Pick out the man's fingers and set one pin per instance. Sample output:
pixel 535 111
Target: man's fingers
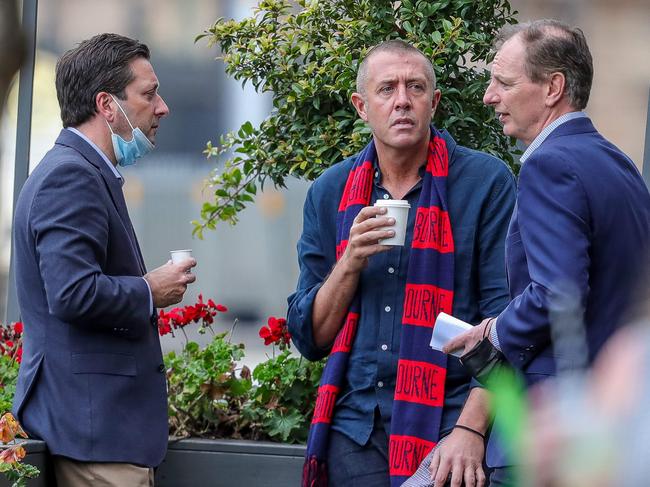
pixel 470 476
pixel 370 225
pixel 444 468
pixel 369 212
pixel 457 473
pixel 454 344
pixel 435 462
pixel 480 476
pixel 372 237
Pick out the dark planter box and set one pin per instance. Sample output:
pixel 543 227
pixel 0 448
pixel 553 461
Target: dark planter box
pixel 38 456
pixel 226 463
pixel 195 462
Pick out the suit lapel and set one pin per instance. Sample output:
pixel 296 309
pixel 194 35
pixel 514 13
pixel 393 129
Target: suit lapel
pixel 117 196
pixel 70 139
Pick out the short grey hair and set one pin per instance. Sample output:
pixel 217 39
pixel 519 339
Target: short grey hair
pixel 393 46
pixel 553 46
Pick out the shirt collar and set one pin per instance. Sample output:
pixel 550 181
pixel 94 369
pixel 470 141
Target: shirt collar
pixel 99 151
pixel 541 137
pixel 451 147
pixel 377 176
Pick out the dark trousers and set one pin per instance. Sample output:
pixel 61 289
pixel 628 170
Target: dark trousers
pixel 352 465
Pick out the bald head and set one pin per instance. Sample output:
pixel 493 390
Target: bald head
pixel 394 46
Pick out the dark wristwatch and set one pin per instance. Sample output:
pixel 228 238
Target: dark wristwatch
pixel 483 360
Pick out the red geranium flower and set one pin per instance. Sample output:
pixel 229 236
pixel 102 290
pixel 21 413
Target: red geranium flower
pixel 276 332
pixel 180 317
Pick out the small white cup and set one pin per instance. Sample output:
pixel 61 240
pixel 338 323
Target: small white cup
pixel 399 210
pixel 180 255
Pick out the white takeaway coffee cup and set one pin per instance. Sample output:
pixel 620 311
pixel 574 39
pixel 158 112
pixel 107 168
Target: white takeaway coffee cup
pixel 398 209
pixel 180 255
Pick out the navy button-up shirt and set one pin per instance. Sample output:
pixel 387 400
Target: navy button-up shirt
pixel 481 196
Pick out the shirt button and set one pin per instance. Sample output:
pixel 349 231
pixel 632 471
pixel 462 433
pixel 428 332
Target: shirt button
pixel 386 196
pixel 391 270
pixel 380 384
pixel 384 347
pixel 387 309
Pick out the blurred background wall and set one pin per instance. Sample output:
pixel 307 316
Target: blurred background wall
pixel 252 267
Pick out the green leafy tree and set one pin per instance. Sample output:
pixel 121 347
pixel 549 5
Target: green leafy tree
pixel 306 54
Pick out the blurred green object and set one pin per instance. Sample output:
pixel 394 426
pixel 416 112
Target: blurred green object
pixel 510 405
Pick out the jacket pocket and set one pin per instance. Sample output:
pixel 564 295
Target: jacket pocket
pixel 103 363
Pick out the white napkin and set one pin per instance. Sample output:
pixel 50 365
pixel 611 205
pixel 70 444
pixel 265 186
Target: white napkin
pixel 445 328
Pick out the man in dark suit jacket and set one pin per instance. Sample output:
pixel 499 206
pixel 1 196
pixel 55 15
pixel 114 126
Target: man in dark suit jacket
pixel 579 233
pixel 92 379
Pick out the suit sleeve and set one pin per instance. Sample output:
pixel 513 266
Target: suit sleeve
pixel 315 264
pixel 553 217
pixel 70 226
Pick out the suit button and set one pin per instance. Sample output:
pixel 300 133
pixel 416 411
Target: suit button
pixel 161 368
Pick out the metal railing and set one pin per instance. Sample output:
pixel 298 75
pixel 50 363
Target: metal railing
pixel 23 131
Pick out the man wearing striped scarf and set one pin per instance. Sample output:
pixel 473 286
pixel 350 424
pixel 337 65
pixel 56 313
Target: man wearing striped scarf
pixel 386 398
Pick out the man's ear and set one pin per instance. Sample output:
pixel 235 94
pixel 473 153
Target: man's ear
pixel 103 103
pixel 435 101
pixel 360 105
pixel 556 85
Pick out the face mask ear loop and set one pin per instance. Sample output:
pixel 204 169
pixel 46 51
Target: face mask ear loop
pixel 109 127
pixel 123 112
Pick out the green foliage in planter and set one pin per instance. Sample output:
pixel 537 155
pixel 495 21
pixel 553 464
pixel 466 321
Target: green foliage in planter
pixel 306 54
pixel 284 397
pixel 211 396
pixel 205 392
pixel 19 473
pixel 8 376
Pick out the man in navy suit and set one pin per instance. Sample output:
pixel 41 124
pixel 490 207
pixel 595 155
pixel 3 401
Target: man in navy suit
pixel 579 233
pixel 92 379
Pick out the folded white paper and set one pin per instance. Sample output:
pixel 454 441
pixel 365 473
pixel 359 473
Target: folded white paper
pixel 445 328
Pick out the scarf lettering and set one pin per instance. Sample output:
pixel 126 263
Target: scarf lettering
pixel 406 453
pixel 423 302
pixel 432 230
pixel 420 382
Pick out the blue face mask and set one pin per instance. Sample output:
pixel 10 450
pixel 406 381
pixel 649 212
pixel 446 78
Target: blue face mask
pixel 127 153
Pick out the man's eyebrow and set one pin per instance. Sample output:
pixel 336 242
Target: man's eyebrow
pixel 502 78
pixel 387 79
pixel 394 79
pixel 152 86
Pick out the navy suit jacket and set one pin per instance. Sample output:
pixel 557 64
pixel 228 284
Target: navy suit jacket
pixel 91 382
pixel 581 226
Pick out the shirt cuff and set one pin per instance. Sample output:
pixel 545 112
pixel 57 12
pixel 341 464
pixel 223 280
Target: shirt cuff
pixel 494 336
pixel 151 308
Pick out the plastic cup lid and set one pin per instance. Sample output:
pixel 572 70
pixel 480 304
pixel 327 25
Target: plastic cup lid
pixel 398 203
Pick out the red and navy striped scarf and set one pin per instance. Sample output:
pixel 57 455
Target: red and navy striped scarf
pixel 421 371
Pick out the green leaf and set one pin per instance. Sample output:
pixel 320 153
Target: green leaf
pixel 281 426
